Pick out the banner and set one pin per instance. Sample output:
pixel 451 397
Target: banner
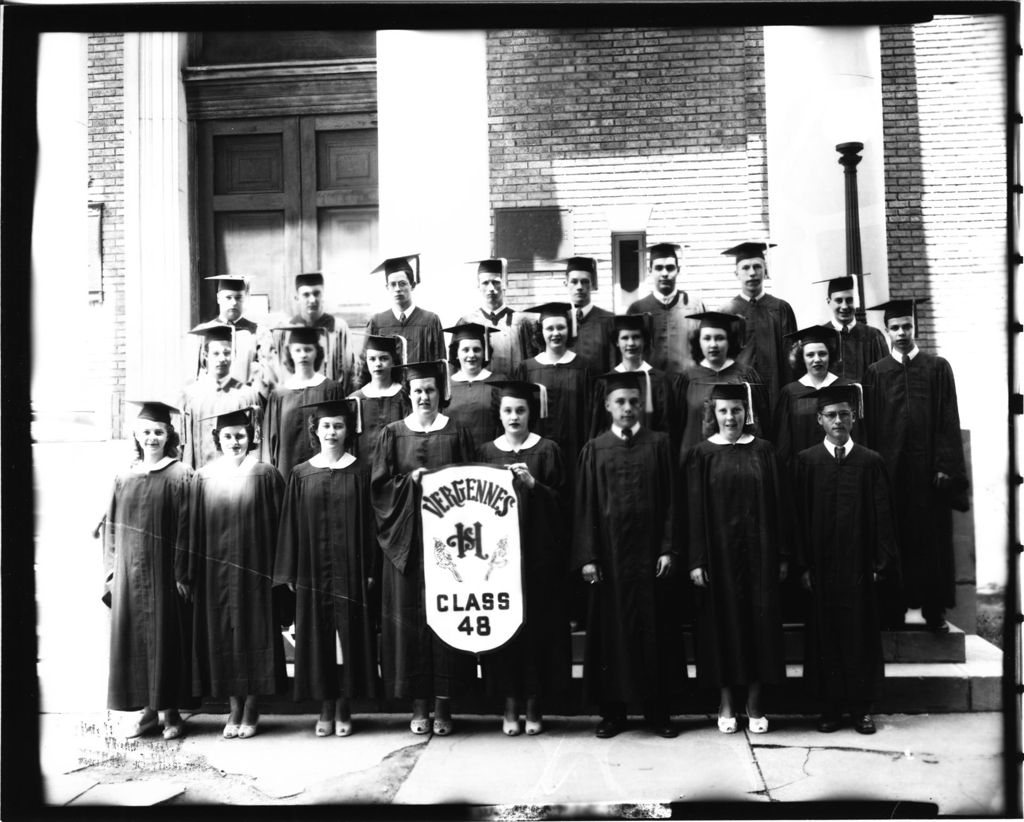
pixel 472 563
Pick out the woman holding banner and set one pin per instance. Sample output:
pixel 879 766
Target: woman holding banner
pixel 414 663
pixel 536 662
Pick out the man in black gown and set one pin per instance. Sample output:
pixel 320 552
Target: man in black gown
pixel 591 325
pixel 860 343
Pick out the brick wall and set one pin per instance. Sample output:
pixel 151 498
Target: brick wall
pixel 106 186
pixel 600 119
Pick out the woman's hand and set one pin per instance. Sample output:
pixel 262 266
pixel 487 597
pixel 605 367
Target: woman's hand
pixel 591 573
pixel 184 591
pixel 664 567
pixel 783 570
pixel 522 473
pixel 699 576
pixel 416 473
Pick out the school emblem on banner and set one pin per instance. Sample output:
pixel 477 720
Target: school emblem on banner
pixel 472 563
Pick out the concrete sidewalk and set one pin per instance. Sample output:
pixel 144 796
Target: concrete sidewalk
pixel 952 760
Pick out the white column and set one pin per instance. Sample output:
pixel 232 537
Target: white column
pixel 823 87
pixel 156 241
pixel 432 138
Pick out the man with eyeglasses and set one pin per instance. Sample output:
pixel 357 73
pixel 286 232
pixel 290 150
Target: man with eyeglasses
pixel 671 331
pixel 914 423
pixel 420 328
pixel 848 537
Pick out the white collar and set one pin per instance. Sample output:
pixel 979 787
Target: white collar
pixel 370 391
pixel 705 364
pixel 143 468
pixel 544 358
pixel 398 312
pixel 440 421
pixel 829 379
pixel 502 443
pixel 838 326
pixel 320 461
pixel 618 431
pixel 295 382
pixel 499 310
pixel 644 366
pixel 224 465
pixel 661 298
pixel 460 376
pixel 585 309
pixel 760 296
pixel 832 449
pixel 718 439
pixel 899 357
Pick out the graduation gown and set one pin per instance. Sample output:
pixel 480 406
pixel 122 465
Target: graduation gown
pixel 474 406
pixel 414 662
pixel 338 362
pixel 378 412
pixel 515 340
pixel 623 521
pixel 847 533
pixel 666 397
pixel 913 422
pixel 205 398
pixel 326 549
pixel 145 553
pixel 538 660
pixel 233 538
pixel 767 322
pixel 286 435
pixel 795 420
pixel 740 528
pixel 861 346
pixel 422 330
pixel 591 338
pixel 569 405
pixel 695 388
pixel 671 332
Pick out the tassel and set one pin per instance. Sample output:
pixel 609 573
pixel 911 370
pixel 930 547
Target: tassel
pixel 860 400
pixel 447 387
pixel 750 403
pixel 543 400
pixel 648 398
pixel 359 414
pixel 487 347
pixel 405 349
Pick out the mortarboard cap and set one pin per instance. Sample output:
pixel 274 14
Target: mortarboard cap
pixel 715 319
pixel 155 410
pixel 615 380
pixel 473 331
pixel 395 344
pixel 740 391
pixel 551 310
pixel 588 264
pixel 844 283
pixel 428 369
pixel 409 263
pixel 240 416
pixel 214 332
pixel 839 392
pixel 814 333
pixel 531 392
pixel 748 250
pixel 310 278
pixel 349 407
pixel 899 308
pixel 302 334
pixel 631 322
pixel 229 282
pixel 492 265
pixel 661 250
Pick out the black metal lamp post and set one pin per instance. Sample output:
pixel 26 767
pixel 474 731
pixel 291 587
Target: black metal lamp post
pixel 850 157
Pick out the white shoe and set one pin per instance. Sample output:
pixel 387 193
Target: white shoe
pixel 727 724
pixel 758 724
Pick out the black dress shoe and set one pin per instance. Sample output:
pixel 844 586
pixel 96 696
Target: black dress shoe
pixel 828 723
pixel 939 626
pixel 609 727
pixel 864 724
pixel 663 728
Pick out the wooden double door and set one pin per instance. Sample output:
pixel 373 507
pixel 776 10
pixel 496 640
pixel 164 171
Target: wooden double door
pixel 280 196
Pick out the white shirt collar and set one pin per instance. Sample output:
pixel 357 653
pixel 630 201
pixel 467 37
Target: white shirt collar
pixel 618 431
pixel 644 366
pixel 398 312
pixel 461 376
pixel 718 439
pixel 440 421
pixel 661 298
pixel 294 381
pixel 829 379
pixel 832 449
pixel 899 357
pixel 499 310
pixel 586 309
pixel 838 326
pixel 705 364
pixel 372 392
pixel 143 468
pixel 502 443
pixel 320 461
pixel 544 358
pixel 760 296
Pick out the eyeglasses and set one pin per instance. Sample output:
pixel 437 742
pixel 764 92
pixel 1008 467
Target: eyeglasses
pixel 845 416
pixel 671 269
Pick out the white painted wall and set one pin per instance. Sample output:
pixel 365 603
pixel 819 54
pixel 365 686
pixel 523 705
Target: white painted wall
pixel 432 138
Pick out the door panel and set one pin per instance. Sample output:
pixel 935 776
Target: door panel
pixel 248 164
pixel 252 244
pixel 348 242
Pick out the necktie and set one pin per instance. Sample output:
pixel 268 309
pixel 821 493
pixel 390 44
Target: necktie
pixel 753 301
pixel 840 452
pixel 845 331
pixel 627 435
pixel 579 316
pixel 401 318
pixel 493 317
